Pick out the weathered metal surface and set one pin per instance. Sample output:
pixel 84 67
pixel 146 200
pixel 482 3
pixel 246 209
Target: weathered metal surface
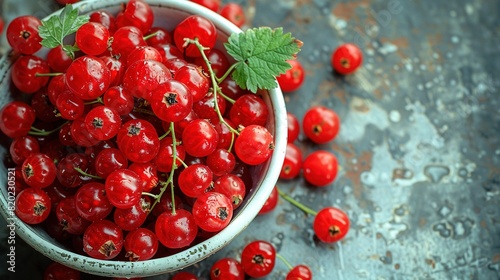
pixel 419 145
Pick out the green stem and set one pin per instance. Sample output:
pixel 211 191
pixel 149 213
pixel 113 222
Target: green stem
pixel 149 36
pixel 98 100
pixel 150 194
pixel 40 132
pixel 299 205
pixel 279 256
pixel 170 180
pixel 47 74
pixel 231 68
pixel 164 135
pixel 228 99
pixel 215 85
pixel 86 174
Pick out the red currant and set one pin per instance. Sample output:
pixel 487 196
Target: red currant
pixel 331 224
pixel 105 18
pixel 232 187
pixel 321 124
pixel 58 59
pixel 92 202
pixel 293 127
pixel 136 13
pixel 184 275
pixel 25 72
pixel 258 258
pixel 271 202
pixel 120 99
pixel 22 34
pixel 16 119
pixel 68 216
pixel 164 160
pixel 234 13
pixel 320 168
pixel 346 59
pixel 109 160
pixel 125 40
pixel 123 188
pixel 32 206
pixel 158 36
pixel 293 78
pixel 147 173
pixel 254 145
pixel 212 211
pixel 102 122
pixel 67 175
pixel 249 109
pixel 195 27
pixel 69 105
pixel 140 244
pixel 172 101
pixel 194 78
pixel 200 138
pixel 210 4
pixel 221 162
pixel 138 140
pixel 292 163
pixel 299 272
pixel 134 217
pixel 92 38
pixel 22 147
pixel 144 76
pixel 176 229
pixel 103 240
pixel 39 170
pixel 195 180
pixel 88 77
pixel 227 269
pixel 57 271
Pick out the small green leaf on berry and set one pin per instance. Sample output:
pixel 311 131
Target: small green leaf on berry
pixel 261 55
pixel 57 27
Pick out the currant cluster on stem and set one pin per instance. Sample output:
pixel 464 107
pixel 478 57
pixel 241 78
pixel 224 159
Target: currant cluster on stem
pixel 133 138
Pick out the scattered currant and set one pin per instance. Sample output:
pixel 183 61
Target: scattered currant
pixel 271 202
pixel 320 168
pixel 292 165
pixel 227 269
pixel 299 272
pixel 57 271
pixel 321 124
pixel 258 258
pixel 331 224
pixel 293 127
pixel 346 59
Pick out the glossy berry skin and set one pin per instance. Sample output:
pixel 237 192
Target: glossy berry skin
pixel 249 109
pixel 57 271
pixel 144 76
pixel 293 78
pixel 195 26
pixel 103 240
pixel 136 13
pixel 321 124
pixel 299 272
pixel 138 140
pixel 292 164
pixel 123 188
pixel 161 36
pixel 194 78
pixel 92 201
pixel 125 40
pixel 258 258
pixel 24 72
pixel 172 101
pixel 88 77
pixel 103 122
pixel 69 105
pixel 227 269
pixel 58 59
pixel 134 217
pixel 22 34
pixel 68 216
pixel 346 59
pixel 140 244
pixel 16 119
pixel 32 206
pixel 147 173
pixel 184 275
pixel 92 38
pixel 144 53
pixel 271 202
pixel 120 99
pixel 213 5
pixel 116 67
pixel 331 224
pixel 218 61
pixel 293 127
pixel 164 160
pixel 22 147
pixel 232 187
pixel 212 211
pixel 105 18
pixel 234 13
pixel 195 180
pixel 176 230
pixel 66 173
pixel 200 138
pixel 320 168
pixel 39 170
pixel 81 135
pixel 109 160
pixel 254 145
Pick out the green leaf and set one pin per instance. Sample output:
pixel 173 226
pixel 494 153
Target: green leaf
pixel 261 55
pixel 57 27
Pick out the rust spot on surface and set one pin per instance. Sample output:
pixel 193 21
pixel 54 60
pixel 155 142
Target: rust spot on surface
pixel 431 263
pixel 495 258
pixel 348 10
pixel 422 222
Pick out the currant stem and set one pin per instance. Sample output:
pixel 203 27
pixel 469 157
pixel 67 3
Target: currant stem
pixel 164 135
pixel 98 100
pixel 279 256
pixel 216 89
pixel 41 132
pixel 150 195
pixel 229 70
pixel 87 174
pixel 149 36
pixel 299 205
pixel 47 74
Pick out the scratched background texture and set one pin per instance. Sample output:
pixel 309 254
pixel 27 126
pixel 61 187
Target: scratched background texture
pixel 419 145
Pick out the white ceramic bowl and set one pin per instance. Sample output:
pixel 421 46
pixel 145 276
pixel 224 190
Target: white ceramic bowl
pixel 167 13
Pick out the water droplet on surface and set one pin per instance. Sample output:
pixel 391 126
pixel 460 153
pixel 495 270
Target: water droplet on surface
pixel 394 116
pixel 436 172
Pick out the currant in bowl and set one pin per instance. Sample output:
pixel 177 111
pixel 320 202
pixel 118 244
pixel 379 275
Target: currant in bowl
pixel 168 13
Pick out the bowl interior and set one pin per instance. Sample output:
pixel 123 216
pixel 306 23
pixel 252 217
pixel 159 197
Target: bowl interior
pixel 167 14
